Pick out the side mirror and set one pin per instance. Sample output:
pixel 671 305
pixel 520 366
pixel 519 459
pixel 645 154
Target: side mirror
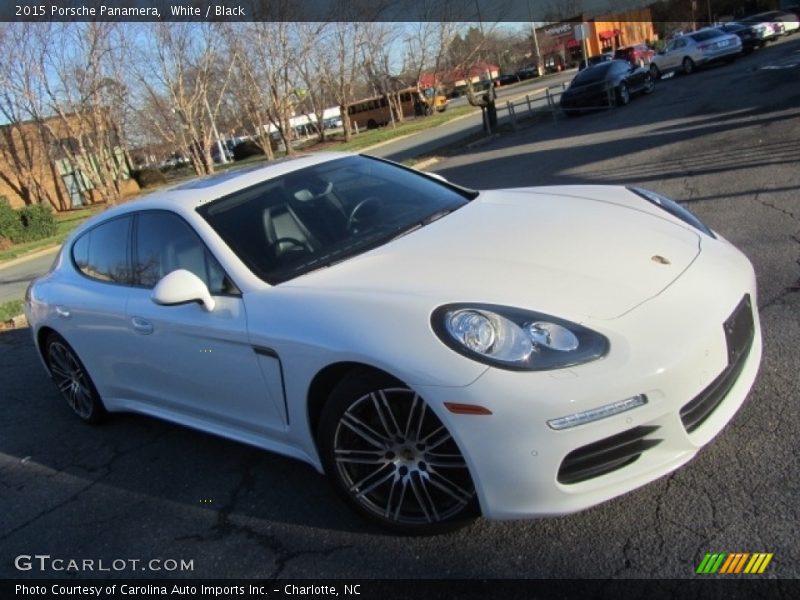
pixel 181 287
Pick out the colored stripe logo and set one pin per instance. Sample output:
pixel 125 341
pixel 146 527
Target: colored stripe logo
pixel 734 563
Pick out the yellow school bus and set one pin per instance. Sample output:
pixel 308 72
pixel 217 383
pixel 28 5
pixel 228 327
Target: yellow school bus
pixel 374 112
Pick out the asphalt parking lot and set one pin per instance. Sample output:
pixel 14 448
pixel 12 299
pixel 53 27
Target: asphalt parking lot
pixel 723 140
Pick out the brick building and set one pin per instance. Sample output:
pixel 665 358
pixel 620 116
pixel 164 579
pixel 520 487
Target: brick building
pixel 42 161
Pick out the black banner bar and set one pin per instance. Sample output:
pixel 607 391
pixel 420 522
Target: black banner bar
pixel 703 587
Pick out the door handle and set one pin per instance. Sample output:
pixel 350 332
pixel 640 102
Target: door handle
pixel 141 325
pixel 62 311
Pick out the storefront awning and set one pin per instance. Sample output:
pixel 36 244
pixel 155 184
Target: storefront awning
pixel 607 35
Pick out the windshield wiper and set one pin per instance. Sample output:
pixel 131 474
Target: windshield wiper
pixel 421 223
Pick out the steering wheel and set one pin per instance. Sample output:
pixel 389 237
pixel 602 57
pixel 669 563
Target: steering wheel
pixel 294 242
pixel 352 220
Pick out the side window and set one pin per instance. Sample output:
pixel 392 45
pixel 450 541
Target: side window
pixel 164 243
pixel 102 252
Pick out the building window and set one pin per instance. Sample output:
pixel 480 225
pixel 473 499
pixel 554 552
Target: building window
pixel 75 182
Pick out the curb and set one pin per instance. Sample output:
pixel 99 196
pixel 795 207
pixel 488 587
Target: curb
pixel 409 135
pixel 482 141
pixel 21 259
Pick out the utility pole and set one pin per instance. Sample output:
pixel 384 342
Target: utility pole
pixel 535 41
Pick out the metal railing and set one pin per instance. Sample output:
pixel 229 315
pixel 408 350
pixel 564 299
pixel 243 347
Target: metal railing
pixel 546 100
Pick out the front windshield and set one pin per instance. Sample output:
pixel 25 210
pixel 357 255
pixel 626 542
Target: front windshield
pixel 596 73
pixel 327 213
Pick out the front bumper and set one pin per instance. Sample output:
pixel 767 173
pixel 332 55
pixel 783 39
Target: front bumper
pixel 661 349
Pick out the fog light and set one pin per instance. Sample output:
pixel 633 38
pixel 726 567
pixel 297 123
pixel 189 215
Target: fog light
pixel 596 414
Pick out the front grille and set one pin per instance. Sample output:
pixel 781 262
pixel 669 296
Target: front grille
pixel 606 455
pixel 739 332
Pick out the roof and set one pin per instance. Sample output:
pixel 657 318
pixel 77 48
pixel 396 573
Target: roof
pixel 189 195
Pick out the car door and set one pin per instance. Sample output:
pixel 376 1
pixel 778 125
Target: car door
pixel 674 54
pixel 91 311
pixel 189 361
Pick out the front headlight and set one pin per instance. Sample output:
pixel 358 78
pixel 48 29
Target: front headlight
pixel 673 208
pixel 516 339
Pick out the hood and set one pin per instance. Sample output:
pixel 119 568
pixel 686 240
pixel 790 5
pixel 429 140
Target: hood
pixel 571 252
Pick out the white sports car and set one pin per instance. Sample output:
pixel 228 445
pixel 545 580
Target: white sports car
pixel 438 352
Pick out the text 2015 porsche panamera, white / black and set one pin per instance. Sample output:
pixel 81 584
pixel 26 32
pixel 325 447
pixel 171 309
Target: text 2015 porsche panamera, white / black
pixel 438 352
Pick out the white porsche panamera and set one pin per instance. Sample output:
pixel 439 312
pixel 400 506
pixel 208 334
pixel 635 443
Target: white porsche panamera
pixel 438 352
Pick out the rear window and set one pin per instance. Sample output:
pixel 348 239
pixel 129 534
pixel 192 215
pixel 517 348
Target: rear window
pixel 708 34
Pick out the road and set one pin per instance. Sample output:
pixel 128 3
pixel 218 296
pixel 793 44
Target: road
pixel 723 140
pixel 15 276
pixel 447 134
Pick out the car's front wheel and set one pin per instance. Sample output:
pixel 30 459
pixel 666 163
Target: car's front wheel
pixel 623 94
pixel 655 71
pixel 392 459
pixel 688 65
pixel 649 84
pixel 73 380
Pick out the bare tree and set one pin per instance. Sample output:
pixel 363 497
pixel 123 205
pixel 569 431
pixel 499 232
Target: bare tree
pixel 340 64
pixel 426 46
pixel 383 75
pixel 22 140
pixel 61 95
pixel 184 75
pixel 311 68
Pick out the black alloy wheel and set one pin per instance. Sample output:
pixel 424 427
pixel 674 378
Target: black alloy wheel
pixel 73 380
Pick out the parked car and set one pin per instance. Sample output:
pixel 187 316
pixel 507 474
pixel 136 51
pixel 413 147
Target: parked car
pixel 787 20
pixel 638 54
pixel 767 30
pixel 409 337
pixel 748 35
pixel 528 72
pixel 506 79
pixel 594 60
pixel 687 52
pixel 601 86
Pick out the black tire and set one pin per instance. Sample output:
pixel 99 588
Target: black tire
pixel 688 65
pixel 649 84
pixel 73 380
pixel 391 459
pixel 655 71
pixel 372 124
pixel 623 94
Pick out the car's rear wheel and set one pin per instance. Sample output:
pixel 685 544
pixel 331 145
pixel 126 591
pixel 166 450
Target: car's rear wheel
pixel 392 459
pixel 623 94
pixel 688 65
pixel 73 380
